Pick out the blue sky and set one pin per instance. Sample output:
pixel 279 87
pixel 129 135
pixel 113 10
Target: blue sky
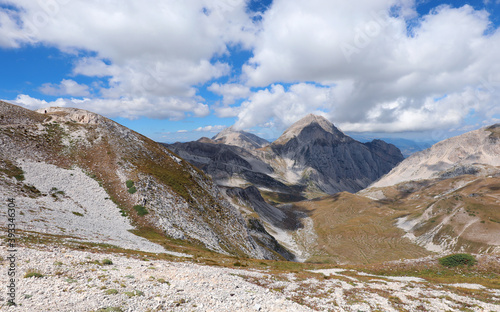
pixel 179 70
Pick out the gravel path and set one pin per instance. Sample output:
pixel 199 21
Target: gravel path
pixel 73 281
pixel 79 281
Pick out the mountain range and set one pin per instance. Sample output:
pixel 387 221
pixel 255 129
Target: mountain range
pixel 314 194
pixel 312 155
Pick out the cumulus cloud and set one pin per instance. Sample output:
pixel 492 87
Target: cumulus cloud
pixel 159 51
pixel 395 69
pixel 230 92
pixel 66 87
pixel 216 128
pixel 368 65
pixel 33 103
pixel 162 108
pixel 282 106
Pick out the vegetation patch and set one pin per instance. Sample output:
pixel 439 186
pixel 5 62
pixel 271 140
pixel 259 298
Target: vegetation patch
pixel 77 213
pixel 130 186
pixel 455 260
pixel 11 170
pixel 134 293
pixel 141 210
pixel 32 273
pixel 110 309
pixel 107 262
pixel 111 292
pixel 132 190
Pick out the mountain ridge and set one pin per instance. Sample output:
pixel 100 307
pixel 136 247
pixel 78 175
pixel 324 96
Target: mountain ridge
pixel 239 138
pixel 167 194
pixel 478 146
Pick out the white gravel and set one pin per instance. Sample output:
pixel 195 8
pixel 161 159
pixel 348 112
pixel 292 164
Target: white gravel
pixel 74 205
pixel 74 282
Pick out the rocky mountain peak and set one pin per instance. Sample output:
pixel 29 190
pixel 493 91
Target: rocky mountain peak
pixel 309 128
pixel 243 139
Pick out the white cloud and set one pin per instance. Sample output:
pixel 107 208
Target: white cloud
pixel 154 52
pixel 66 87
pixel 447 53
pixel 283 106
pixel 32 103
pixel 230 92
pixel 366 64
pixel 216 128
pixel 162 108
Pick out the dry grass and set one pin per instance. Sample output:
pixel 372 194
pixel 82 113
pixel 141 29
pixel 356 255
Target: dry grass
pixel 354 229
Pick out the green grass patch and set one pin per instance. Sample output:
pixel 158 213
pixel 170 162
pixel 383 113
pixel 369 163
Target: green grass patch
pixel 132 190
pixel 455 260
pixel 134 293
pixel 111 292
pixel 141 210
pixel 129 183
pixel 107 262
pixel 110 309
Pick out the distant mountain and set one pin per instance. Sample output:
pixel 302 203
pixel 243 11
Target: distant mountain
pixel 311 155
pixel 407 147
pixel 460 153
pixel 242 139
pixel 46 155
pixel 229 165
pixel 313 152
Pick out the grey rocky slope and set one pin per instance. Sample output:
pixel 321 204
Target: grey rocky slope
pixel 168 195
pixel 458 154
pixel 229 165
pixel 313 152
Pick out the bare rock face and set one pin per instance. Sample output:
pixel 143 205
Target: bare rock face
pixel 476 147
pixel 325 158
pixel 228 165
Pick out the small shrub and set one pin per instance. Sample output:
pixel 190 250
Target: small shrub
pixel 77 213
pixel 33 273
pixel 141 210
pixel 132 190
pixel 129 183
pixel 457 260
pixel 134 293
pixel 111 292
pixel 162 281
pixel 107 262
